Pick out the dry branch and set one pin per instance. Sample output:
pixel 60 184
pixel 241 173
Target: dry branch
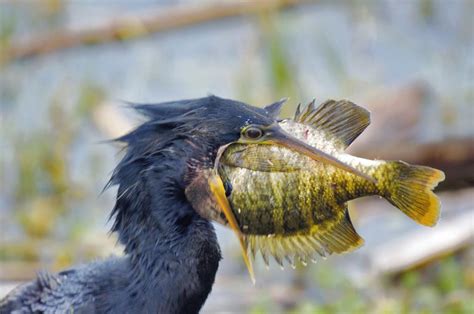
pixel 138 26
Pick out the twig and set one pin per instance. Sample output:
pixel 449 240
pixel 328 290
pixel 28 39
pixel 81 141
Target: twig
pixel 132 27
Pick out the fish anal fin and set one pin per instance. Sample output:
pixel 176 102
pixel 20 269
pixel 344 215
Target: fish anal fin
pixel 342 119
pixel 339 237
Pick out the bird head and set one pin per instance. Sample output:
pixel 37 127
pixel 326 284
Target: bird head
pixel 204 126
pixel 176 150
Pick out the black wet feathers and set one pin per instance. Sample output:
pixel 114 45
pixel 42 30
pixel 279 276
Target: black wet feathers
pixel 172 254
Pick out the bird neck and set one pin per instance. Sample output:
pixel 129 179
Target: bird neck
pixel 173 252
pixel 173 272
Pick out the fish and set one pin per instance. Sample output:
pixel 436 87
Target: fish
pixel 291 207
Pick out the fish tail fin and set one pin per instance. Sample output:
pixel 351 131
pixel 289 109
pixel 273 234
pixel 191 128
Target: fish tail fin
pixel 411 191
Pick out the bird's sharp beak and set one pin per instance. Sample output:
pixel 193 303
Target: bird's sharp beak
pixel 276 135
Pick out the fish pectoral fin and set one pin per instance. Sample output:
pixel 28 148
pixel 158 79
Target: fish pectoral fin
pixel 344 120
pixel 217 189
pixel 338 237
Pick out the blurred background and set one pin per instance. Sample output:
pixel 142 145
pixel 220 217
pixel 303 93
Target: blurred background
pixel 67 66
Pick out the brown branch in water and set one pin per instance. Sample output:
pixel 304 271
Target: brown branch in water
pixel 132 27
pixel 417 247
pixel 454 156
pixel 396 121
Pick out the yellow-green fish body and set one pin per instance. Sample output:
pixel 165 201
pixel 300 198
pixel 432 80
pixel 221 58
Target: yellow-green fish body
pixel 288 205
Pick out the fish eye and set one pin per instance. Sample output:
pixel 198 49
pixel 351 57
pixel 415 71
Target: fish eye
pixel 253 133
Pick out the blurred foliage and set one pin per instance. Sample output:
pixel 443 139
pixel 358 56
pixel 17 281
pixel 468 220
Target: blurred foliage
pixel 40 15
pixel 7 29
pixel 443 286
pixel 280 71
pixel 427 9
pixel 25 251
pixel 44 189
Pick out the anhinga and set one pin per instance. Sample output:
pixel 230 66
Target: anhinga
pixel 171 252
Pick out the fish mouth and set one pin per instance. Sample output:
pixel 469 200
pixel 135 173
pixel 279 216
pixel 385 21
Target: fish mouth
pixel 275 135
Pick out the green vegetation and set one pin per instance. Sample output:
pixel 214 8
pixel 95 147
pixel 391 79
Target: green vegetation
pixel 44 190
pixel 442 286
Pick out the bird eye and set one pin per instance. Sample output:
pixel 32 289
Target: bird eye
pixel 253 133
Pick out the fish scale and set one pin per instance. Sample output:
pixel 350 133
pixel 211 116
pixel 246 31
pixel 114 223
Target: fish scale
pixel 291 207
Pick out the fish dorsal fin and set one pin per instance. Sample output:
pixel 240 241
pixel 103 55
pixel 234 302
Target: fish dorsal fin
pixel 342 119
pixel 338 236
